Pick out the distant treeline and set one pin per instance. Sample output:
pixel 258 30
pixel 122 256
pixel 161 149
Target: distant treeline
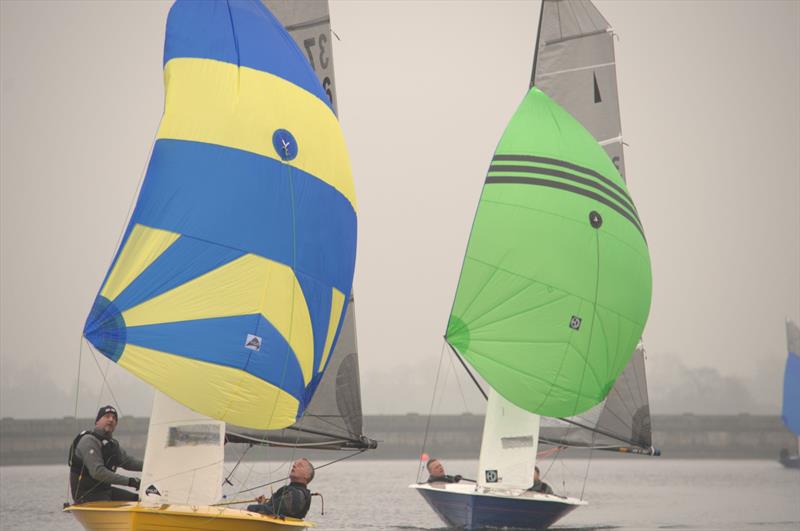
pixel 45 441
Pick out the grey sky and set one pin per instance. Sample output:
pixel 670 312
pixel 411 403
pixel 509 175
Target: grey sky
pixel 710 102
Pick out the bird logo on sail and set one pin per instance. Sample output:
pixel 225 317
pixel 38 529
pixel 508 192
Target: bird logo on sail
pixel 253 342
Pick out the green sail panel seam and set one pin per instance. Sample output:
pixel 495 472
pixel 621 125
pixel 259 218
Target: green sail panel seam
pixel 579 393
pixel 563 164
pixel 568 188
pixel 560 216
pixel 537 170
pixel 561 290
pixel 477 325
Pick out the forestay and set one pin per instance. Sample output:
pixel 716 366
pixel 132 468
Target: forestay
pixel 232 278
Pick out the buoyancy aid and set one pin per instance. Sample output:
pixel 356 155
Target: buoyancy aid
pixel 81 482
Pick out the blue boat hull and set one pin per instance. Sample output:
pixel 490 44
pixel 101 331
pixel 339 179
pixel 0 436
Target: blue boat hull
pixel 472 511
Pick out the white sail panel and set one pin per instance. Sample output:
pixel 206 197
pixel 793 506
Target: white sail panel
pixel 575 66
pixel 184 458
pixel 508 447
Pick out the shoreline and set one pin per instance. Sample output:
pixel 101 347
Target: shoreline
pixel 25 442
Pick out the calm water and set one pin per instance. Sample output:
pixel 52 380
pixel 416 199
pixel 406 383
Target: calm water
pixel 635 493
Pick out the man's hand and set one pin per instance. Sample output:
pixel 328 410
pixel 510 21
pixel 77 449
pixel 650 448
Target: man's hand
pixel 261 499
pixel 458 478
pixel 134 482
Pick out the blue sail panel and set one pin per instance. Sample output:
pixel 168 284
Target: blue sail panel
pixel 791 380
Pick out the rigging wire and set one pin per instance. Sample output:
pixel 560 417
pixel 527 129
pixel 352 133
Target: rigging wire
pixel 588 465
pixel 430 412
pixel 458 383
pixel 78 382
pixel 315 468
pixel 105 379
pixel 228 477
pixel 463 364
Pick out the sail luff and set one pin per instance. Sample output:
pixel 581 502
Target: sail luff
pixel 536 46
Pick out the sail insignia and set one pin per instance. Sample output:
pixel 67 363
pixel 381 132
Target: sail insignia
pixel 597 98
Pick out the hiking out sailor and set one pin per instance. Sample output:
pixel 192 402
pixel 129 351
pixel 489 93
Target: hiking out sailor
pixel 293 499
pixel 94 457
pixel 436 473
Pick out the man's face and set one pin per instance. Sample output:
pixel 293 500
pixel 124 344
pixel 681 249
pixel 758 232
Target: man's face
pixel 300 472
pixel 435 468
pixel 536 475
pixel 107 423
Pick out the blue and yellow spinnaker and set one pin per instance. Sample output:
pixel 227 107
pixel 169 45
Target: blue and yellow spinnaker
pixel 230 285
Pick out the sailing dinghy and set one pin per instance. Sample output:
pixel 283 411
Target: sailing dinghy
pixel 230 293
pixel 791 393
pixel 555 286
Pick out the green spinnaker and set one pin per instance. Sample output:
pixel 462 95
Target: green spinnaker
pixel 555 287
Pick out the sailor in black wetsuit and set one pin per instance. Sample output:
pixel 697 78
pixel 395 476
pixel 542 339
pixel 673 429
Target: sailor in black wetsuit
pixel 293 499
pixel 93 460
pixel 437 475
pixel 538 484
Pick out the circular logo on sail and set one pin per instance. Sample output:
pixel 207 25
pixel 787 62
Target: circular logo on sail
pixel 285 144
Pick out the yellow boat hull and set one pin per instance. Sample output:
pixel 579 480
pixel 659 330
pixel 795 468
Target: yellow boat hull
pixel 133 516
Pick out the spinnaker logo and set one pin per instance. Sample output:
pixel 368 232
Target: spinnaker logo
pixel 575 322
pixel 152 490
pixel 253 342
pixel 491 476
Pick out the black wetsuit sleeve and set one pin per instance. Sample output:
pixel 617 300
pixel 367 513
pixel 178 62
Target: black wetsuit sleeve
pixel 91 452
pixel 128 462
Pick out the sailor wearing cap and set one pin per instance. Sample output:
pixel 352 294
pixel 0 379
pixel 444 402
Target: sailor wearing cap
pixel 94 457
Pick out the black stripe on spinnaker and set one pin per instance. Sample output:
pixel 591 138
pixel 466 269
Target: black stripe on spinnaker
pixel 568 188
pixel 563 164
pixel 570 177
